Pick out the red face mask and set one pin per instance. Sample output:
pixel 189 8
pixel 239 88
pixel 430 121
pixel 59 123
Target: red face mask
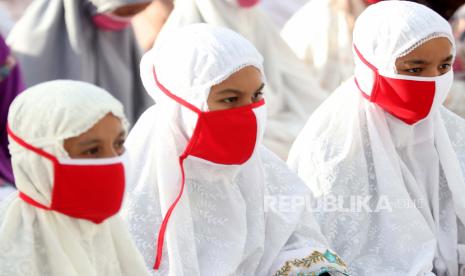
pixel 90 189
pixel 226 137
pixel 108 22
pixel 408 98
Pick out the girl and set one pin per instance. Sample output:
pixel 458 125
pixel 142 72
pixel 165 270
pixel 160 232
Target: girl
pixel 384 147
pixel 207 196
pixel 66 142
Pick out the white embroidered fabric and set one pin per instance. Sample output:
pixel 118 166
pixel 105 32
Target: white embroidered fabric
pixel 411 176
pixel 34 241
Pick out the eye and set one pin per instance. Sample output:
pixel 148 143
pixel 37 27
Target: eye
pixel 445 66
pixel 414 70
pixel 92 151
pixel 230 100
pixel 258 96
pixel 119 144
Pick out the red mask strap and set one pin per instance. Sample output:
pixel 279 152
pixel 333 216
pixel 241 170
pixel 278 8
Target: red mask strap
pixel 31 201
pixel 161 233
pixel 364 60
pixel 30 147
pixel 375 70
pixel 40 152
pixel 174 97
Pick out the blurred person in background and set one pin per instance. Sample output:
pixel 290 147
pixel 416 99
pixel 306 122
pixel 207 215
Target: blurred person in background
pixel 11 85
pixel 456 98
pixel 280 11
pixel 446 8
pixel 88 40
pixel 320 34
pixel 148 23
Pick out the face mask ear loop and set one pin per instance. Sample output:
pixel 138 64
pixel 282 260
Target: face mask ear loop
pixel 372 96
pixel 37 151
pixel 161 233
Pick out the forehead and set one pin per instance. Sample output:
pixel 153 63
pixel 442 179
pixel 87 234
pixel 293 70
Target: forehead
pixel 434 49
pixel 247 78
pixel 109 125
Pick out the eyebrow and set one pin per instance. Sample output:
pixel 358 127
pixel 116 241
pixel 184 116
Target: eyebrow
pixel 415 62
pixel 449 58
pixel 236 91
pixel 96 141
pixel 422 62
pixel 89 142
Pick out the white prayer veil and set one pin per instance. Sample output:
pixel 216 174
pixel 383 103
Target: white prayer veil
pixel 409 177
pixel 220 225
pixel 35 241
pixel 294 93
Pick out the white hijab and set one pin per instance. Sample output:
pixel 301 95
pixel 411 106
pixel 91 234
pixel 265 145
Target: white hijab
pixel 413 175
pixel 293 91
pixel 34 241
pixel 220 226
pixel 56 39
pixel 320 34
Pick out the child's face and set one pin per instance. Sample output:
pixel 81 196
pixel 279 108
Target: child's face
pixel 241 88
pixel 431 59
pixel 104 140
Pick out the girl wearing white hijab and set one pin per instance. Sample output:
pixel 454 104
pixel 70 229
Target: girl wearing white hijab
pixel 205 195
pixel 384 144
pixel 87 40
pixel 294 93
pixel 65 138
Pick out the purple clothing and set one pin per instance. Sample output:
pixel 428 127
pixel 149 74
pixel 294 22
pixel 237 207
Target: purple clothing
pixel 10 87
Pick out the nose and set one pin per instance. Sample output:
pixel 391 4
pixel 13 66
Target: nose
pixel 433 72
pixel 245 101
